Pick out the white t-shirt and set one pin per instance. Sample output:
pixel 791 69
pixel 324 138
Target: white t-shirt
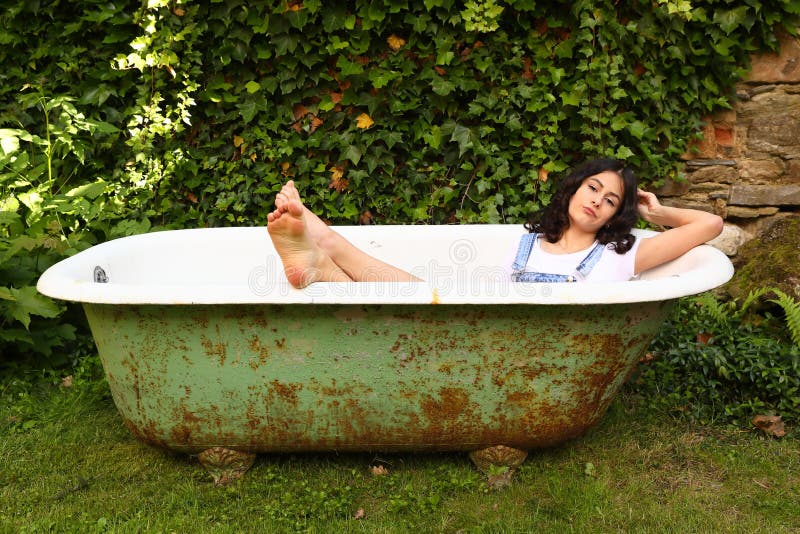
pixel 611 267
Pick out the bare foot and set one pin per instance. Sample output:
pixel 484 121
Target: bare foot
pixel 317 229
pixel 312 252
pixel 303 261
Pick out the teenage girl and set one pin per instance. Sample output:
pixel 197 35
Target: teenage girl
pixel 582 235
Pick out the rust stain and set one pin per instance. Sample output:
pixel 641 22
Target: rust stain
pixel 399 342
pixel 263 352
pixel 146 432
pixel 444 415
pixel 287 392
pixel 254 343
pixel 218 350
pixel 592 385
pixel 259 319
pixel 202 321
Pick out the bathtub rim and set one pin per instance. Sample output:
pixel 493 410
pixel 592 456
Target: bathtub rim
pixel 707 268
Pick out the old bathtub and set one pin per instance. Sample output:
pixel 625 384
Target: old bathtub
pixel 208 350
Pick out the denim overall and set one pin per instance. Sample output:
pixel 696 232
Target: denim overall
pixel 526 243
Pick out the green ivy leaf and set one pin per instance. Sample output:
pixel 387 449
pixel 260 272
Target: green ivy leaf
pixel 730 19
pixel 624 153
pixel 433 137
pixel 247 110
pixel 92 190
pixel 464 137
pixel 348 68
pixel 353 153
pixel 441 86
pixel 570 98
pixel 27 301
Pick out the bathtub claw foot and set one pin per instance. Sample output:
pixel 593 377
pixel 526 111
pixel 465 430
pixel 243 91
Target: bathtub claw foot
pixel 225 465
pixel 498 463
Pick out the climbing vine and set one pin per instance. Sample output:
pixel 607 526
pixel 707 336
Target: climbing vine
pixel 439 112
pixel 172 113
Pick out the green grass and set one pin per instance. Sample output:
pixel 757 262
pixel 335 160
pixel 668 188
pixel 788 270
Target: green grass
pixel 68 465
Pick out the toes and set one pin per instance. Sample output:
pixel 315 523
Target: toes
pixel 281 200
pixel 274 215
pixel 295 208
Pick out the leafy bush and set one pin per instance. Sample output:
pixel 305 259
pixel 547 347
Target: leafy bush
pixel 723 362
pixel 41 222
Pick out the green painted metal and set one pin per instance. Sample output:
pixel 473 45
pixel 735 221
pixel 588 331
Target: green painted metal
pixel 264 378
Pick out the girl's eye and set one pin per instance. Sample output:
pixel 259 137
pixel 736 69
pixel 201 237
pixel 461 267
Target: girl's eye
pixel 610 202
pixel 593 188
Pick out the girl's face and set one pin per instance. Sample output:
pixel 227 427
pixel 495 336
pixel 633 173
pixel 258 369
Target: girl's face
pixel 597 200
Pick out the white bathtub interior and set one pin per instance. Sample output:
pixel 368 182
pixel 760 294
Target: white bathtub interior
pixel 460 264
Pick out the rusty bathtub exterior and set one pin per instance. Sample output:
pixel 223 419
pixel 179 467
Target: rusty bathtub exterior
pixel 367 377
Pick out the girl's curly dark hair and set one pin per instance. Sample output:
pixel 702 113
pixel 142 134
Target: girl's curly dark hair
pixel 553 220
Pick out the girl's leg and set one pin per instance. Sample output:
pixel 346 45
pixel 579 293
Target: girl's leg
pixel 357 264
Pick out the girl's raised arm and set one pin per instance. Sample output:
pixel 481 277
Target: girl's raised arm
pixel 688 228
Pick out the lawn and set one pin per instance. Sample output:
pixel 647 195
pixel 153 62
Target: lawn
pixel 68 465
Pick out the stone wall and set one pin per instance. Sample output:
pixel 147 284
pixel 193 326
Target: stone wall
pixel 747 167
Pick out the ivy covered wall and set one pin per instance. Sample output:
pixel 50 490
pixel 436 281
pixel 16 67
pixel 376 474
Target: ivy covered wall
pixel 123 117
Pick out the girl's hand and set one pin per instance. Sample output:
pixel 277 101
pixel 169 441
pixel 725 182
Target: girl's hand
pixel 648 205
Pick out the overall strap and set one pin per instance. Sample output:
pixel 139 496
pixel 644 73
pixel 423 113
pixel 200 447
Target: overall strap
pixel 524 252
pixel 585 267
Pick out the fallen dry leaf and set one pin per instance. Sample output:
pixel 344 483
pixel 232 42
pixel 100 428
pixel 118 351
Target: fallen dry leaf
pixel 379 470
pixel 179 11
pixel 359 514
pixel 299 111
pixel 541 26
pixel 66 381
pixel 526 69
pixel 647 358
pixel 364 121
pixel 191 197
pixel 772 425
pixel 337 182
pixel 395 42
pixel 440 71
pixel 286 168
pixel 316 122
pixel 703 338
pixel 365 218
pixel 543 174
